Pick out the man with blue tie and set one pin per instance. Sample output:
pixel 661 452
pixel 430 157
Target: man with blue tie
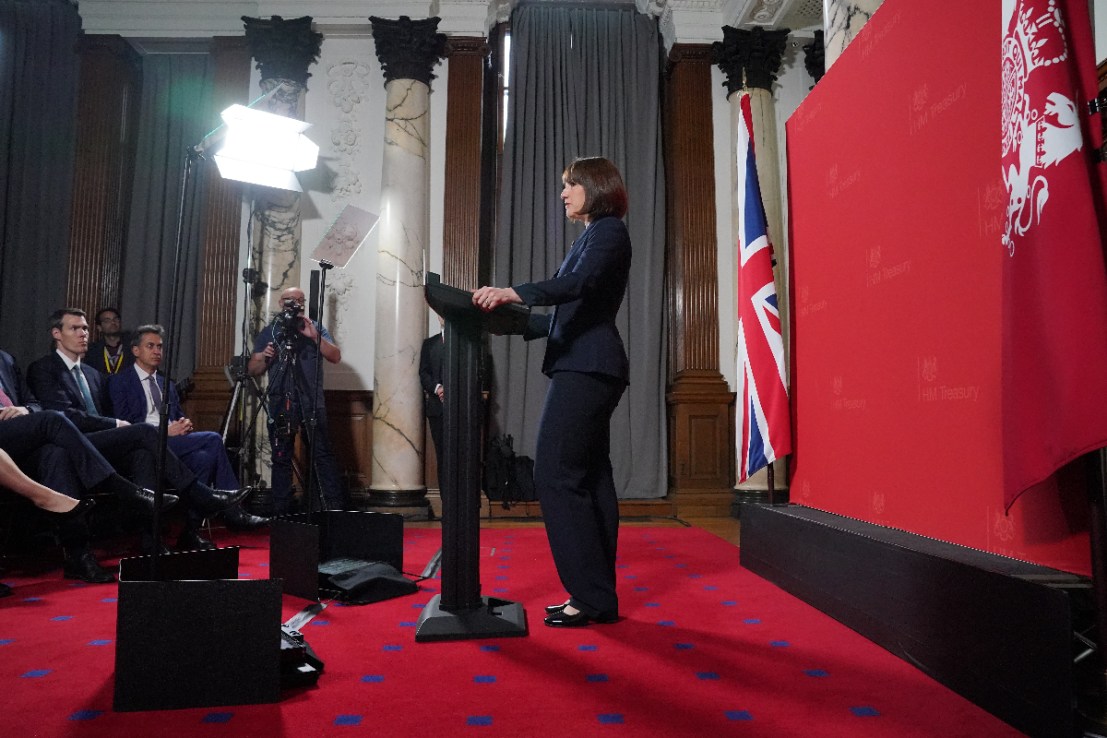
pixel 63 383
pixel 137 393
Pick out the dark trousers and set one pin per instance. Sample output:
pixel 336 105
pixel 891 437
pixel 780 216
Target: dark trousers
pixel 49 435
pixel 284 424
pixel 205 456
pixel 575 484
pixel 133 450
pixel 52 451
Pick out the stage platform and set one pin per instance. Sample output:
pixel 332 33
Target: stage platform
pixel 998 631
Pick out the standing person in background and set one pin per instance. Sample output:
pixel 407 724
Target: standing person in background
pixel 430 378
pixel 286 350
pixel 588 370
pixel 109 353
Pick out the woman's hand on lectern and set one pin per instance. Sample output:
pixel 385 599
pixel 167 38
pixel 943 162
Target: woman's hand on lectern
pixel 490 298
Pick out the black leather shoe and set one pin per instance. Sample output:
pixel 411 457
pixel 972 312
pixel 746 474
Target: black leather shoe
pixel 143 499
pixel 83 506
pixel 560 620
pixel 210 501
pixel 551 609
pixel 83 566
pixel 191 540
pixel 238 519
pixel 5 590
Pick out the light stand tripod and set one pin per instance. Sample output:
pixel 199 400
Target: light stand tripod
pixel 245 386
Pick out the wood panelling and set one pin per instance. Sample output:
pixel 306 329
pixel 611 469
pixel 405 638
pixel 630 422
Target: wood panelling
pixel 220 282
pixel 690 196
pixel 701 415
pixel 462 199
pixel 107 108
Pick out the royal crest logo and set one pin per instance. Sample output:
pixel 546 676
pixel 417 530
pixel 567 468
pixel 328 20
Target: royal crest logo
pixel 1003 527
pixel 1040 124
pixel 874 257
pixel 928 368
pixel 878 503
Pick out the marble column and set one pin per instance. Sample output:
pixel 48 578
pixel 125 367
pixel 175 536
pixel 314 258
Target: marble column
pixel 283 51
pixel 408 50
pixel 751 60
pixel 842 20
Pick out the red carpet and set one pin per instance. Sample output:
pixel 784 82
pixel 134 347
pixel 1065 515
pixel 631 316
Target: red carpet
pixel 704 648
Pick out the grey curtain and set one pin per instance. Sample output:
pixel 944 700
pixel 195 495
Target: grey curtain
pixel 39 73
pixel 175 115
pixel 584 81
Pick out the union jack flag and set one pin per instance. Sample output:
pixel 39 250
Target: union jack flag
pixel 764 425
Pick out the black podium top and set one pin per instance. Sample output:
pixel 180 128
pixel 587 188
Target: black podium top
pixel 456 304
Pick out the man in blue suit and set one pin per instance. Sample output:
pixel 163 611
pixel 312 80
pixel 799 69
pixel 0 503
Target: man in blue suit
pixel 136 395
pixel 63 383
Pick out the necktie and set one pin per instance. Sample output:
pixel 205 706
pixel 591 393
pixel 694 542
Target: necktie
pixel 155 392
pixel 82 385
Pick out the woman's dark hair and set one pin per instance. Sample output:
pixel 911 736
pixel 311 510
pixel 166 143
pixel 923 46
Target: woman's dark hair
pixel 604 191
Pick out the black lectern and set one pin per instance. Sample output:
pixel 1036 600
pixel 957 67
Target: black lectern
pixel 460 611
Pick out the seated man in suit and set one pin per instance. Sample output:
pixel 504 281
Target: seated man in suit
pixel 62 382
pixel 137 393
pixel 50 449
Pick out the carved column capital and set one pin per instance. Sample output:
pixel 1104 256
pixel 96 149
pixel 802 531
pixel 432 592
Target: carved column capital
pixel 408 49
pixel 814 56
pixel 749 59
pixel 283 49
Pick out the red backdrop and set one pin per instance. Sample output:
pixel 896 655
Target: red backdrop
pixel 897 211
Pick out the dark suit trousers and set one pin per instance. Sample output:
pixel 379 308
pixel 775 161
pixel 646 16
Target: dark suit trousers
pixel 575 484
pixel 49 434
pixel 133 450
pixel 51 450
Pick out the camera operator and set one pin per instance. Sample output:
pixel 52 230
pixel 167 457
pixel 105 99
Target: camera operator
pixel 287 350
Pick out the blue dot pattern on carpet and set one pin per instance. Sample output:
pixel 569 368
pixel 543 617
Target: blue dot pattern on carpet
pixel 738 715
pixel 479 720
pixel 217 717
pixel 86 714
pixel 864 711
pixel 348 720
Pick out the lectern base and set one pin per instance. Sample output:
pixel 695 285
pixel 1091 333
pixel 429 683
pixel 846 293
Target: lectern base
pixel 494 619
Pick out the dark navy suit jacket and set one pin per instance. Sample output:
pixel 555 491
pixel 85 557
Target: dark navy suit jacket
pixel 56 389
pixel 128 398
pixel 15 385
pixel 587 290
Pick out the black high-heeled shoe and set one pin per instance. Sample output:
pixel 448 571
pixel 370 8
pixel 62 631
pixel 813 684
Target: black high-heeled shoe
pixel 82 508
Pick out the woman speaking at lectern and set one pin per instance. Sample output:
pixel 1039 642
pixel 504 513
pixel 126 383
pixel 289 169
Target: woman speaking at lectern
pixel 588 370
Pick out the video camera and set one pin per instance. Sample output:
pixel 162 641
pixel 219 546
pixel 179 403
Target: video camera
pixel 286 324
